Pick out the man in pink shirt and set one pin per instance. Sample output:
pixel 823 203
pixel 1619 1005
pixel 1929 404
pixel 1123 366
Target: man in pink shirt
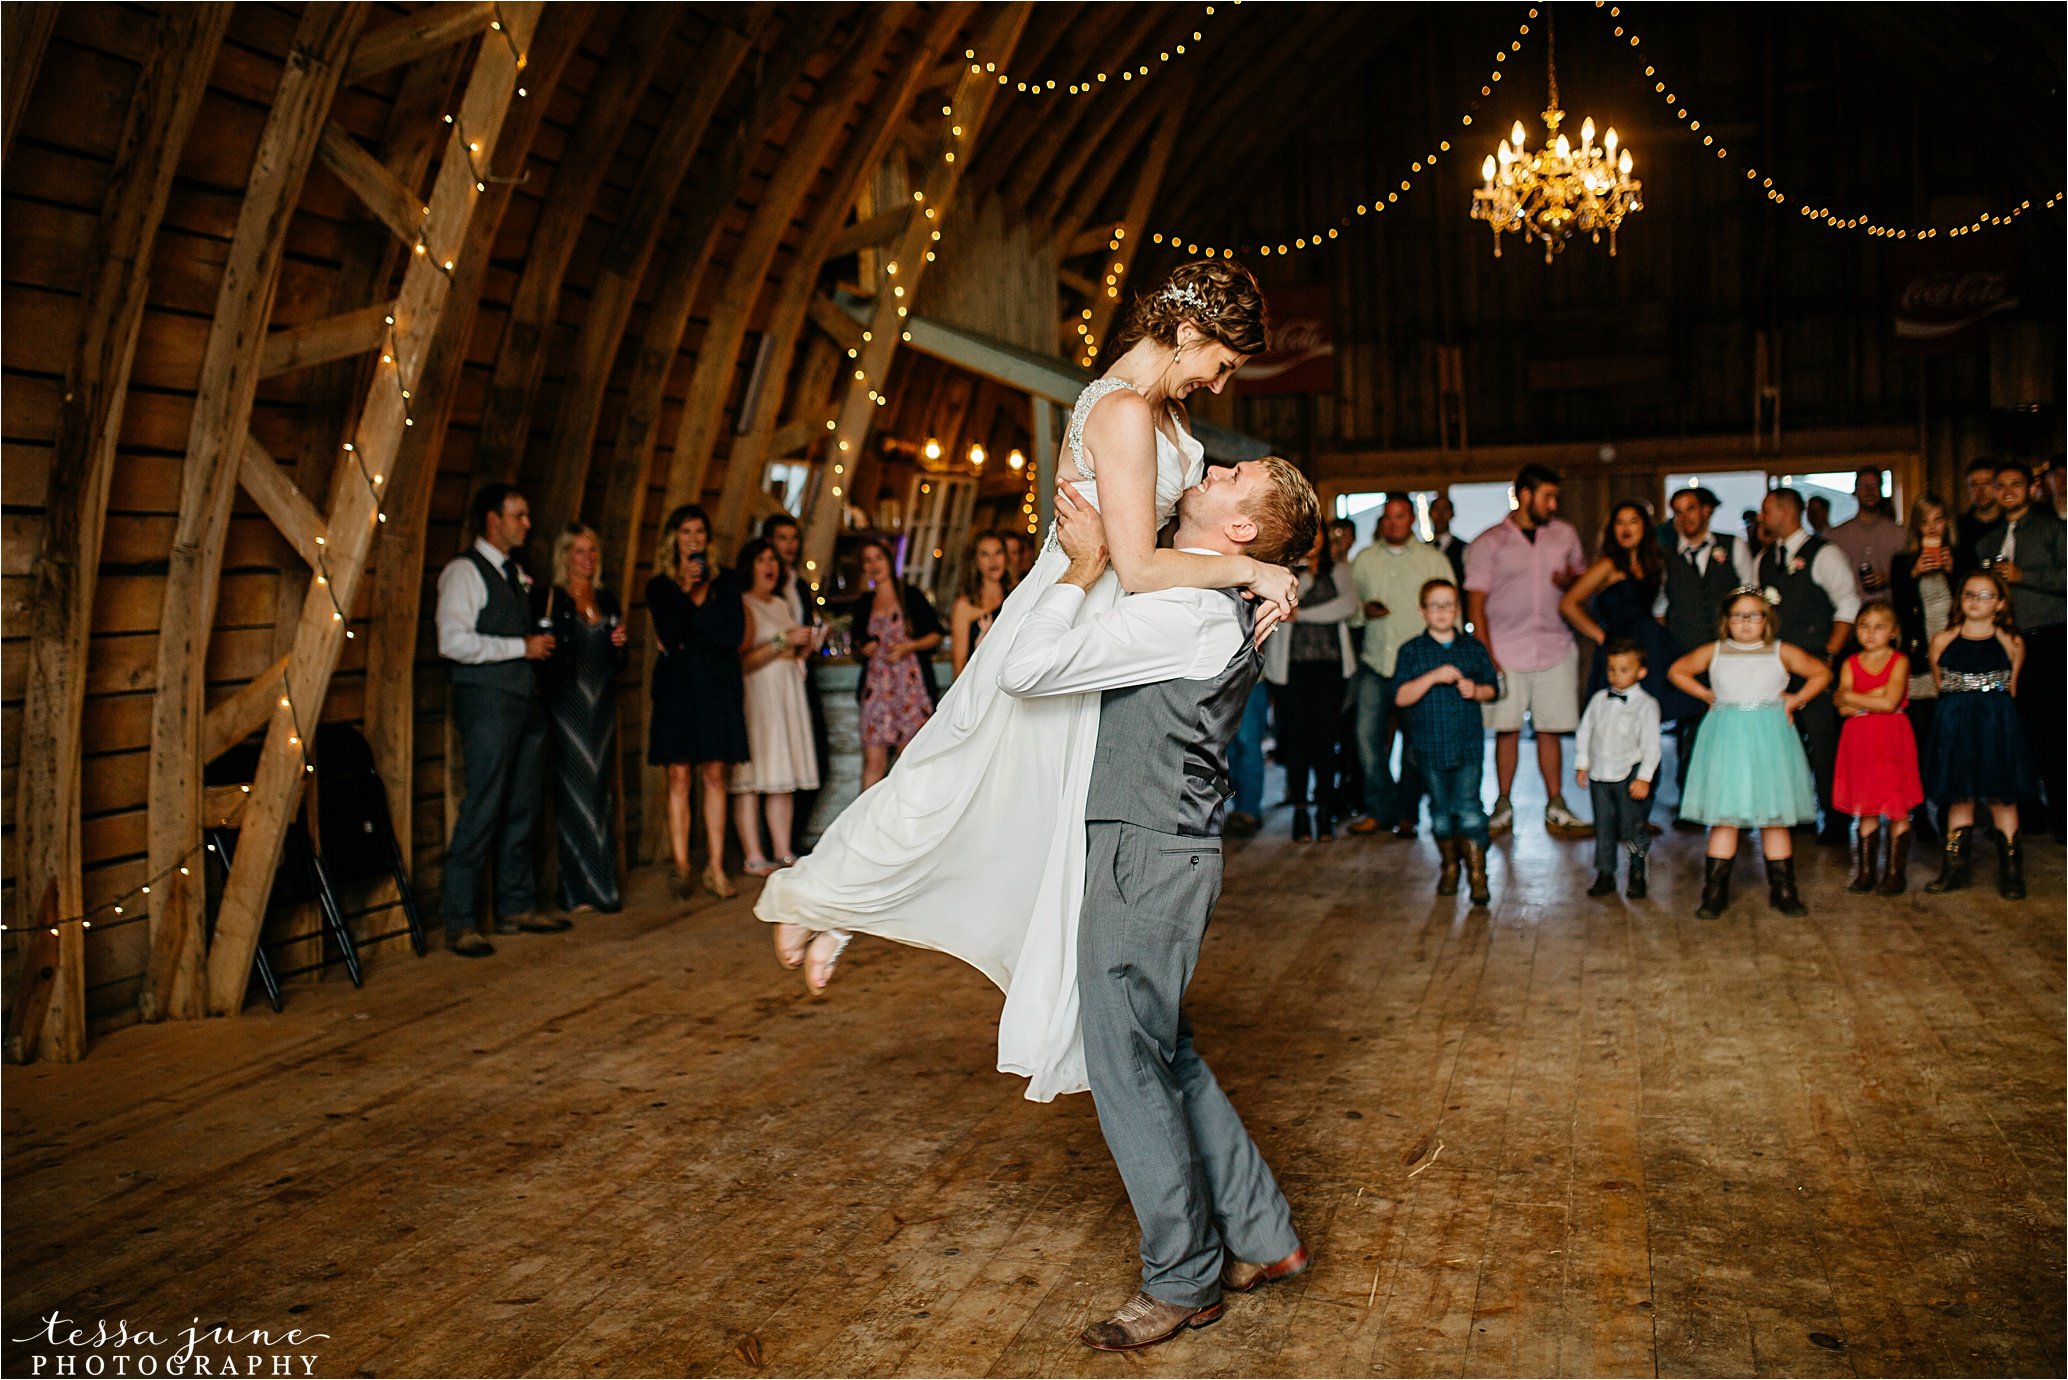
pixel 1515 573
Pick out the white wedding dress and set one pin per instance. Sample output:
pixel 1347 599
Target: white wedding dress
pixel 974 844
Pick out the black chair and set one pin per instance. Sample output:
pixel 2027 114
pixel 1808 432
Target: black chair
pixel 357 832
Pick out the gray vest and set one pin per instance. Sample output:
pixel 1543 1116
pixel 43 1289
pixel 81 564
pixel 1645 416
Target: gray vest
pixel 1162 757
pixel 504 615
pixel 1694 599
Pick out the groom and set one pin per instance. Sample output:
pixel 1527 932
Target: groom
pixel 1175 668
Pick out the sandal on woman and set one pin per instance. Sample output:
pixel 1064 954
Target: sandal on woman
pixel 820 956
pixel 681 885
pixel 715 883
pixel 759 867
pixel 791 942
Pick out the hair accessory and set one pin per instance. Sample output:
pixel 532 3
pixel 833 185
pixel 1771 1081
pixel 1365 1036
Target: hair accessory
pixel 1754 590
pixel 1190 299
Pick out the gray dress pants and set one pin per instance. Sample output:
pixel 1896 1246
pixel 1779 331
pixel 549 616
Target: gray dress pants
pixel 1198 1185
pixel 504 739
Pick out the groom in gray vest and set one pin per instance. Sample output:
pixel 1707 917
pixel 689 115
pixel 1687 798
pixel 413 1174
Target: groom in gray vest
pixel 1174 669
pixel 485 629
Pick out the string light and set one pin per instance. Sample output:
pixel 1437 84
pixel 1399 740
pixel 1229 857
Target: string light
pixel 1084 86
pixel 123 903
pixel 1808 210
pixel 1373 205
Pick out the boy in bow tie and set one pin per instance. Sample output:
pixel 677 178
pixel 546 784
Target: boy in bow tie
pixel 1618 757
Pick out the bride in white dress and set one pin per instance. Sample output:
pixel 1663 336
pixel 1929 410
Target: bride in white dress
pixel 974 844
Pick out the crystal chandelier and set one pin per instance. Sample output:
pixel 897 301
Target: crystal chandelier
pixel 1559 189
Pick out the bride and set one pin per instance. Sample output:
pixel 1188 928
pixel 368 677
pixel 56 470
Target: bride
pixel 974 844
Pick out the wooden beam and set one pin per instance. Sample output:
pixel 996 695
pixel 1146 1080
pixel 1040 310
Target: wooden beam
pixel 421 34
pixel 681 277
pixel 398 580
pixel 368 179
pixel 278 780
pixel 866 234
pixel 1077 282
pixel 40 993
pixel 794 437
pixel 282 501
pixel 1024 154
pixel 1107 147
pixel 171 84
pixel 319 342
pixel 244 713
pixel 757 439
pixel 845 331
pixel 1091 240
pixel 25 28
pixel 622 265
pixel 1141 197
pixel 528 331
pixel 972 103
pixel 718 353
pixel 1087 29
pixel 215 442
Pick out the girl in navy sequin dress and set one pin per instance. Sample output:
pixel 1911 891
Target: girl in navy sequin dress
pixel 1979 754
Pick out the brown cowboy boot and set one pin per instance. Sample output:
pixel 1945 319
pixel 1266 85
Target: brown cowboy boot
pixel 1145 1321
pixel 1475 870
pixel 1866 853
pixel 1895 879
pixel 1240 1277
pixel 1447 876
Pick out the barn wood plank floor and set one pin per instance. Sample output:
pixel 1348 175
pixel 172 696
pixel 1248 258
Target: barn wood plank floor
pixel 1559 1136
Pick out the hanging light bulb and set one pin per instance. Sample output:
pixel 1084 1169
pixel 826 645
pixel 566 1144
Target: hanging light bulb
pixel 932 449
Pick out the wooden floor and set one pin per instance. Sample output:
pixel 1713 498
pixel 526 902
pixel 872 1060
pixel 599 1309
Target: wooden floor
pixel 1560 1136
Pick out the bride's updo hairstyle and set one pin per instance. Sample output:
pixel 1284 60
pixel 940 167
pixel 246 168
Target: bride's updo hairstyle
pixel 1218 296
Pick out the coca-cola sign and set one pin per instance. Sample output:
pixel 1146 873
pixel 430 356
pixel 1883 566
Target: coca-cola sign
pixel 1302 357
pixel 1946 301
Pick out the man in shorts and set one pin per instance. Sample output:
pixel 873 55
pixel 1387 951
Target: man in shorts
pixel 1515 573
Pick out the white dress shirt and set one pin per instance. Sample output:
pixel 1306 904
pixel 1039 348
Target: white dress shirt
pixel 1832 572
pixel 1742 559
pixel 461 597
pixel 1170 634
pixel 1618 736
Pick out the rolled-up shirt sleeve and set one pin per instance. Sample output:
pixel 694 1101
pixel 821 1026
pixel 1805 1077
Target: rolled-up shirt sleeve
pixel 1145 638
pixel 461 597
pixel 1835 577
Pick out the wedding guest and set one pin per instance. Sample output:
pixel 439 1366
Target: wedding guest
pixel 1870 538
pixel 1702 568
pixel 1246 764
pixel 1613 600
pixel 1983 511
pixel 1451 547
pixel 1755 540
pixel 782 532
pixel 1445 678
pixel 896 634
pixel 1816 600
pixel 2053 482
pixel 1616 758
pixel 1817 514
pixel 1388 576
pixel 1310 664
pixel 1876 778
pixel 780 761
pixel 1349 770
pixel 485 628
pixel 986 579
pixel 1749 771
pixel 698 724
pixel 1981 755
pixel 1515 575
pixel 579 685
pixel 1342 536
pixel 1019 555
pixel 2027 552
pixel 1924 590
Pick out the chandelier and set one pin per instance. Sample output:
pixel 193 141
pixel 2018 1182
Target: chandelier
pixel 1560 189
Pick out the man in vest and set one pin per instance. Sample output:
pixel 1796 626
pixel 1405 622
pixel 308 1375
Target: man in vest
pixel 1815 599
pixel 1702 568
pixel 1175 668
pixel 485 629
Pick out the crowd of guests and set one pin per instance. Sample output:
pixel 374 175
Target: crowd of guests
pixel 735 714
pixel 1880 675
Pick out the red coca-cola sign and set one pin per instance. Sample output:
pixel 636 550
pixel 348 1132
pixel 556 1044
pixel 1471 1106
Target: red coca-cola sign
pixel 1946 298
pixel 1302 357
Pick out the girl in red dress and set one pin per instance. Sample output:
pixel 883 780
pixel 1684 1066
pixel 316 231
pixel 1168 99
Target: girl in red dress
pixel 1877 776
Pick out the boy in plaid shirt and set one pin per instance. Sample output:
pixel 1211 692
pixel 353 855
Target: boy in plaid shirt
pixel 1441 678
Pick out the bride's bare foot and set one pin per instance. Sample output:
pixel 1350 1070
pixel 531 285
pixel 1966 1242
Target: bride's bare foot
pixel 791 941
pixel 820 956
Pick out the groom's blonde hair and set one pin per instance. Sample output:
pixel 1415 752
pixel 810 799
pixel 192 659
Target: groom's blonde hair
pixel 1287 514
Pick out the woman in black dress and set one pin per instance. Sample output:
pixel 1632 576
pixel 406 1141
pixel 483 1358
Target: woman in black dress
pixel 579 684
pixel 698 726
pixel 1613 599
